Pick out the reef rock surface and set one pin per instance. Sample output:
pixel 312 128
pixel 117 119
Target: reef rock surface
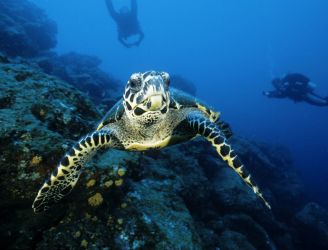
pixel 182 197
pixel 84 73
pixel 40 117
pixel 24 29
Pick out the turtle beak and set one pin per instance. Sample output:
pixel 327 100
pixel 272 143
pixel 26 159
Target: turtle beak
pixel 155 102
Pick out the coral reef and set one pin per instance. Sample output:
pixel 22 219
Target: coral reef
pixel 24 29
pixel 27 32
pixel 40 117
pixel 182 197
pixel 83 72
pixel 312 224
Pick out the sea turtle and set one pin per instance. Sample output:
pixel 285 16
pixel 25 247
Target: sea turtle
pixel 149 116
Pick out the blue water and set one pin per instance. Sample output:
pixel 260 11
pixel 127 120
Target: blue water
pixel 230 50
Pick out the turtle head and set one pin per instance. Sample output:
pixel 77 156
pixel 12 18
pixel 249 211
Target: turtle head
pixel 147 94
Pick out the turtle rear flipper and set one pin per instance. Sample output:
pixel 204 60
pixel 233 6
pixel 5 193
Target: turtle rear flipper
pixel 64 178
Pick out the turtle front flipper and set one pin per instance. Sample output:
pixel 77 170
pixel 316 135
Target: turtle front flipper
pixel 225 128
pixel 64 178
pixel 211 131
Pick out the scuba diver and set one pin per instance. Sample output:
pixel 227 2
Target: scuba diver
pixel 298 88
pixel 127 23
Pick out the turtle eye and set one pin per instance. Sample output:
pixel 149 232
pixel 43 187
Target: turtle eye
pixel 166 78
pixel 135 83
pixel 168 81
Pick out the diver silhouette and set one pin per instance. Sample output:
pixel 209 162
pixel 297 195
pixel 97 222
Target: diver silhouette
pixel 296 87
pixel 127 23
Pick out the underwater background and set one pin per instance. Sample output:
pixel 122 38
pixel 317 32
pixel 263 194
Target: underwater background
pixel 62 68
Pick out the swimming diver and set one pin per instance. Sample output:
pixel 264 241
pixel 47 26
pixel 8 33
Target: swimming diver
pixel 297 87
pixel 127 23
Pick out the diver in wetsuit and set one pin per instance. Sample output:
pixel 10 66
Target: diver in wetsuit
pixel 127 23
pixel 298 88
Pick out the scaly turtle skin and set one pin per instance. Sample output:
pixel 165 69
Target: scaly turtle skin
pixel 148 116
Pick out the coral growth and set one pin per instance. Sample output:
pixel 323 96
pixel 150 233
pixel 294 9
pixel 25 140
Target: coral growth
pixel 36 160
pixel 95 200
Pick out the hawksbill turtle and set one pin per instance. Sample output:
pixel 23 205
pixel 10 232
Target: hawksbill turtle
pixel 149 116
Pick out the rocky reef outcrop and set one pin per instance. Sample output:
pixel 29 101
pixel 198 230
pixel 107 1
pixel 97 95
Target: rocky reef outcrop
pixel 84 73
pixel 25 30
pixel 312 224
pixel 37 112
pixel 182 197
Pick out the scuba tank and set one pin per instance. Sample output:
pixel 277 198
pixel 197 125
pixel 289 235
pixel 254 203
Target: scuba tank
pixel 311 86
